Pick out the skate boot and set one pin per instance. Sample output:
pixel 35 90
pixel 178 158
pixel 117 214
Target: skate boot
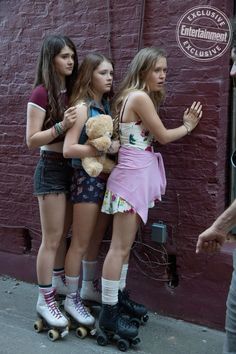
pixel 80 319
pixel 59 283
pixel 90 293
pixel 50 317
pixel 136 312
pixel 112 324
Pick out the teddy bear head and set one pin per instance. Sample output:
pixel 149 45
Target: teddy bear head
pixel 99 126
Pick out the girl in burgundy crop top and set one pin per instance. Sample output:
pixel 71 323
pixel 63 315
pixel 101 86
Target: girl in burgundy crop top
pixel 47 122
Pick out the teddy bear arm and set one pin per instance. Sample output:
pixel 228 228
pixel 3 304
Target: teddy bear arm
pixel 108 165
pixel 92 166
pixel 101 144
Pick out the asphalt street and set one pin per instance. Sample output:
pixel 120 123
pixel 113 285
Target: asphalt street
pixel 161 335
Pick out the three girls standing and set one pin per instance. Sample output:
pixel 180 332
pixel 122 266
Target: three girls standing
pixel 131 188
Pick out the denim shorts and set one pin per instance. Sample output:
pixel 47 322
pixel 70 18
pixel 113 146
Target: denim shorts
pixel 53 174
pixel 86 189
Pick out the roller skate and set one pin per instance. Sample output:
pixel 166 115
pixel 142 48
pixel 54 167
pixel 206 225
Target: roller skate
pixel 113 325
pixel 136 312
pixel 90 293
pixel 59 284
pixel 79 317
pixel 50 317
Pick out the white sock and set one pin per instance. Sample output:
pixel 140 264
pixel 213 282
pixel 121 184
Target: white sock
pixel 110 291
pixel 89 270
pixel 58 272
pixel 123 276
pixel 72 284
pixel 43 289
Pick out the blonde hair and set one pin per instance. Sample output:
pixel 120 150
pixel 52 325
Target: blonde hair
pixel 135 79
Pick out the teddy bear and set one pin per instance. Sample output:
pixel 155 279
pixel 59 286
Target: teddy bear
pixel 99 130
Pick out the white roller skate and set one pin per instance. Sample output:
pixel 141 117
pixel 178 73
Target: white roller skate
pixel 59 284
pixel 50 317
pixel 90 293
pixel 81 320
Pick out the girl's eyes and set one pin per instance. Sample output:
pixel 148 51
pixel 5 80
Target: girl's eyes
pixel 159 70
pixel 106 72
pixel 65 56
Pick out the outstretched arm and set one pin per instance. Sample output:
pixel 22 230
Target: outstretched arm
pixel 142 105
pixel 213 238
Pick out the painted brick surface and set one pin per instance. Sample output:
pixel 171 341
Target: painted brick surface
pixel 197 178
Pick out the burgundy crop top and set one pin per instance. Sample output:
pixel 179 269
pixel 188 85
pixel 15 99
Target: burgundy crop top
pixel 39 99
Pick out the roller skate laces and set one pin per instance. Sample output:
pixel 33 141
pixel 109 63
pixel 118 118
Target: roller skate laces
pixel 75 308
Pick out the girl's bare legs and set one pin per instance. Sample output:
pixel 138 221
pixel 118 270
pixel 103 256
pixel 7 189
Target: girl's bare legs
pixel 58 279
pixel 52 224
pixel 101 227
pixel 89 290
pixel 85 217
pixel 53 214
pixel 125 227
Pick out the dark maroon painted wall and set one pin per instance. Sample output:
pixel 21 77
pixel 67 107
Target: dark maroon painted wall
pixel 196 165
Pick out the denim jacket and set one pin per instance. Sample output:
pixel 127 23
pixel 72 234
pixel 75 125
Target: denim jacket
pixel 93 110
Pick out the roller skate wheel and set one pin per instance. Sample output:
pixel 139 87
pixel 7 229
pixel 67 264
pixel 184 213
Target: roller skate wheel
pixel 135 322
pixel 136 341
pixel 38 326
pixel 102 340
pixel 53 335
pixel 123 345
pixel 81 332
pixel 145 318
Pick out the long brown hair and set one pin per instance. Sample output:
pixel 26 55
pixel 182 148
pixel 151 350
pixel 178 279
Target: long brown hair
pixel 135 79
pixel 82 88
pixel 46 74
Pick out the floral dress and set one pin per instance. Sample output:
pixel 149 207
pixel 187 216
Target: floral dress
pixel 135 135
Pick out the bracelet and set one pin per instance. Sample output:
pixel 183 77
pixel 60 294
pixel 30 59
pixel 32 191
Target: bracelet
pixel 59 128
pixel 53 132
pixel 187 128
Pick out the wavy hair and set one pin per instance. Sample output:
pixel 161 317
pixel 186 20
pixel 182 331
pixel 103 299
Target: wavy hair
pixel 135 79
pixel 47 76
pixel 83 90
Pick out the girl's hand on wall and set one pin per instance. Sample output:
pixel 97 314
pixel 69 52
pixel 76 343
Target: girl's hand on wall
pixel 70 116
pixel 192 116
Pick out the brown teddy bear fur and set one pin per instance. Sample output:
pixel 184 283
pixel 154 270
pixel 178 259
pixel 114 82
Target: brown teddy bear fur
pixel 99 130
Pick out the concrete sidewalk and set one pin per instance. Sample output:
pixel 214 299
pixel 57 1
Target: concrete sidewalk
pixel 161 335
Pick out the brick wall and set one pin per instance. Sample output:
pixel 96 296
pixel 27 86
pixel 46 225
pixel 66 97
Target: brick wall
pixel 197 179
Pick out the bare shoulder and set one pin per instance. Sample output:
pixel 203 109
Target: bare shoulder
pixel 82 108
pixel 139 97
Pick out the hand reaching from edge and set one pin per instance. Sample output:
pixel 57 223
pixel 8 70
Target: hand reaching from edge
pixel 210 240
pixel 192 116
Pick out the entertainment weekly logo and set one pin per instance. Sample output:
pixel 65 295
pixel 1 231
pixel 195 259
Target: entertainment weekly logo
pixel 204 33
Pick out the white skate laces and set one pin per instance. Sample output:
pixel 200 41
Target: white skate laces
pixel 52 305
pixel 75 308
pixel 80 306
